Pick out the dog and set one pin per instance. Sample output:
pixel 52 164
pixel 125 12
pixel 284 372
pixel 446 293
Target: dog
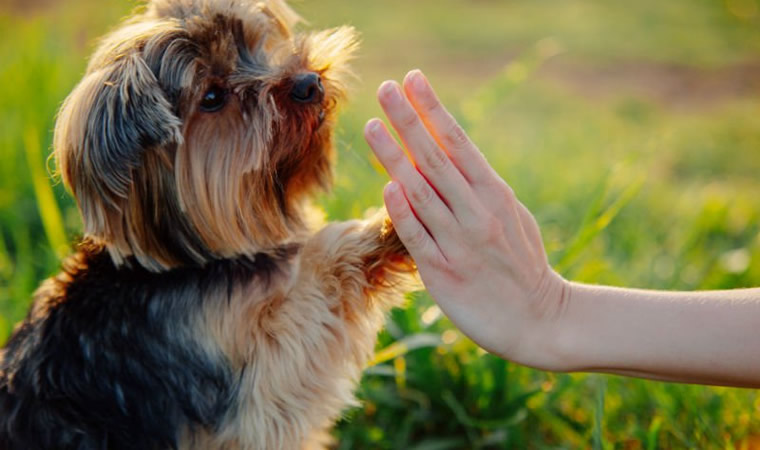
pixel 206 306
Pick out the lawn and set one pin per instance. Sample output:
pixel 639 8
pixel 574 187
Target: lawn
pixel 631 130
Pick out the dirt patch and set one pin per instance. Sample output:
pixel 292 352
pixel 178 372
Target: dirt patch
pixel 676 86
pixel 26 6
pixel 669 85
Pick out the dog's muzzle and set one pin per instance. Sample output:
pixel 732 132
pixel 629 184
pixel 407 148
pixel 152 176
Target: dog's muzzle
pixel 307 88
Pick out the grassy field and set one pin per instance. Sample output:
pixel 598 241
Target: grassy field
pixel 631 129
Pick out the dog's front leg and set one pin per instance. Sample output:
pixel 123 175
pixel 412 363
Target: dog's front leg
pixel 350 275
pixel 363 265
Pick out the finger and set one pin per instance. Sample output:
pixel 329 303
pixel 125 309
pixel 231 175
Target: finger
pixel 484 180
pixel 532 230
pixel 412 233
pixel 427 205
pixel 445 128
pixel 429 158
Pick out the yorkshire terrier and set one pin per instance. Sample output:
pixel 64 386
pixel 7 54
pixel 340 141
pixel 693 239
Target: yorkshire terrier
pixel 205 308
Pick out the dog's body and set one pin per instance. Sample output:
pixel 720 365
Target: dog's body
pixel 204 309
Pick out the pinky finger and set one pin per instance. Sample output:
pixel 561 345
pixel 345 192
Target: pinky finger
pixel 415 237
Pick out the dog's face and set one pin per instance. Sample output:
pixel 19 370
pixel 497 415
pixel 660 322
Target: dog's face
pixel 200 128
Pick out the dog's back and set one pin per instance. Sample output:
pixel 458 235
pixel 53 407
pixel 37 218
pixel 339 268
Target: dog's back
pixel 107 359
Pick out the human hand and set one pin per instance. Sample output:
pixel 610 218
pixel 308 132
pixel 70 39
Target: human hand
pixel 480 254
pixel 478 249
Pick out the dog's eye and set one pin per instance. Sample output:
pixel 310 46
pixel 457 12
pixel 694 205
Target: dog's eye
pixel 214 99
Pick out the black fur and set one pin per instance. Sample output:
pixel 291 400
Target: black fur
pixel 108 358
pixel 131 114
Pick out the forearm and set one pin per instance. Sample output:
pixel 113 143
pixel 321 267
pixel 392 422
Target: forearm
pixel 709 337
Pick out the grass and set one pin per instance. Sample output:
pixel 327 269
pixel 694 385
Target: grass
pixel 650 187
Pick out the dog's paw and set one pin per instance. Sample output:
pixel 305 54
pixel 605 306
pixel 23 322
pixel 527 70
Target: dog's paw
pixel 390 257
pixel 390 240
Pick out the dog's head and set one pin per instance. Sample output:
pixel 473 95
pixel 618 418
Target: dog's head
pixel 200 128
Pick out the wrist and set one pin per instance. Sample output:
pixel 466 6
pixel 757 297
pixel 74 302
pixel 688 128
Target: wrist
pixel 562 349
pixel 557 326
pixel 543 339
pixel 598 331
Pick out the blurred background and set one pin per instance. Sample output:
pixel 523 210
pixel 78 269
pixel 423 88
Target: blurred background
pixel 631 129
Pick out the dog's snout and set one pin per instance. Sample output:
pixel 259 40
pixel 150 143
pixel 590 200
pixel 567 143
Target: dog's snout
pixel 307 88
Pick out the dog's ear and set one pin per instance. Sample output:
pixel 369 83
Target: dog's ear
pixel 115 114
pixel 282 13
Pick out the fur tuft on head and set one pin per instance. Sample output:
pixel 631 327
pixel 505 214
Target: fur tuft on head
pixel 184 142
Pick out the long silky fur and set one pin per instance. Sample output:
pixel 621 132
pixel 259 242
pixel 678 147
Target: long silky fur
pixel 205 308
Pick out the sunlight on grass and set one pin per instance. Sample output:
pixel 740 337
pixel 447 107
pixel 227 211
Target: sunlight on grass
pixel 405 345
pixel 514 74
pixel 631 130
pixel 50 214
pixel 596 220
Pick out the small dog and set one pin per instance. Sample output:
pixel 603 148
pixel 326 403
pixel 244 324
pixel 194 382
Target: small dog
pixel 204 308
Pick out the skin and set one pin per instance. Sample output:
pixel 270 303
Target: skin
pixel 481 256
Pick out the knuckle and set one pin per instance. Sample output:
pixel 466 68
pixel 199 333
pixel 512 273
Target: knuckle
pixel 440 264
pixel 409 120
pixel 402 213
pixel 455 271
pixel 422 193
pixel 456 136
pixel 509 193
pixel 504 192
pixel 457 259
pixel 416 239
pixel 395 157
pixel 431 105
pixel 436 159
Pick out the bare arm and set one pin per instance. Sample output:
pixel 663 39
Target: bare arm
pixel 480 254
pixel 709 337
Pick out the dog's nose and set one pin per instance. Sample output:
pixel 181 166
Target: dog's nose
pixel 307 88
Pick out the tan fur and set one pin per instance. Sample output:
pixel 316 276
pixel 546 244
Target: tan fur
pixel 310 336
pixel 233 214
pixel 178 186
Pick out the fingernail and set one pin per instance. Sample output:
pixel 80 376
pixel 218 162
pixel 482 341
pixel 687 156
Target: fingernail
pixel 391 188
pixel 389 91
pixel 373 127
pixel 417 79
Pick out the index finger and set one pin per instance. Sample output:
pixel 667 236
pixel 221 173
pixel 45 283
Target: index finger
pixel 445 129
pixel 432 162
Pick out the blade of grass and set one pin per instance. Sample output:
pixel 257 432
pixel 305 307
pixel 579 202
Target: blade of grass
pixel 440 444
pixel 653 433
pixel 6 268
pixel 560 427
pixel 592 212
pixel 50 213
pixel 514 74
pixel 592 229
pixel 489 424
pixel 598 431
pixel 405 345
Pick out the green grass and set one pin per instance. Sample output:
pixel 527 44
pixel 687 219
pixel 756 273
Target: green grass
pixel 631 187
